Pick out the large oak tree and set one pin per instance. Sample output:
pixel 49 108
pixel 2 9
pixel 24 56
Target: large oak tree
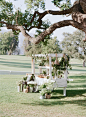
pixel 24 22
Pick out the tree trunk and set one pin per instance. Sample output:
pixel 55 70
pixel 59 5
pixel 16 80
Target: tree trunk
pixel 9 52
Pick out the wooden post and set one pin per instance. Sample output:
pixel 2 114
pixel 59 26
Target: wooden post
pixel 47 71
pixel 50 70
pixel 40 70
pixel 33 66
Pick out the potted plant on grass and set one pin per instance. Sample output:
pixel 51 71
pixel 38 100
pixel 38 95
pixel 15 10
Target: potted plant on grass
pixel 32 89
pixel 48 94
pixel 25 90
pixel 42 93
pixel 46 90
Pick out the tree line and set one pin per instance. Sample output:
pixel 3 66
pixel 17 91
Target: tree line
pixel 72 45
pixel 8 42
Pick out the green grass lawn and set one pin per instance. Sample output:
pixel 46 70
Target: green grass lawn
pixel 23 63
pixel 16 63
pixel 15 104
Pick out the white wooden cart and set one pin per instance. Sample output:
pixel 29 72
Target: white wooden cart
pixel 60 82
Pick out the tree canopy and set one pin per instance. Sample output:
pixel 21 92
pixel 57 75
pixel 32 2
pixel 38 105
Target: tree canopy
pixel 8 42
pixel 41 48
pixel 32 17
pixel 73 45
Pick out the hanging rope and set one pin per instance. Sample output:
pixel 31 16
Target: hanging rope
pixel 56 61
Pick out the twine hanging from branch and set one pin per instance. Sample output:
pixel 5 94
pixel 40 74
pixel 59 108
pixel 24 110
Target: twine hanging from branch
pixel 56 61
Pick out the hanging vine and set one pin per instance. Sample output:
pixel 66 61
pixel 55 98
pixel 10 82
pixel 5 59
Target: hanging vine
pixel 58 65
pixel 62 65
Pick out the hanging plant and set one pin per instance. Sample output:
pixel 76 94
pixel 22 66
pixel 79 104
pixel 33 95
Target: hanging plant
pixel 63 63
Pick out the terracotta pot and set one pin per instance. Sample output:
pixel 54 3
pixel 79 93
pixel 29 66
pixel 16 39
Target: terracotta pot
pixel 25 90
pixel 47 96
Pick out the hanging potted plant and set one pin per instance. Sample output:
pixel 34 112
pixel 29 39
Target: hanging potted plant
pixel 61 65
pixel 44 74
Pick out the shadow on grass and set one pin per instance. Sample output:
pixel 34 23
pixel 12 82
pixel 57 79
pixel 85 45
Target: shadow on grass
pixel 77 65
pixel 76 69
pixel 61 100
pixel 16 64
pixel 46 102
pixel 78 76
pixel 74 96
pixel 70 93
pixel 50 102
pixel 77 86
pixel 14 59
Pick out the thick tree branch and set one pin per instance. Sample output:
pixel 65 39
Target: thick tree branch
pixel 83 5
pixel 51 29
pixel 41 15
pixel 79 21
pixel 10 26
pixel 48 30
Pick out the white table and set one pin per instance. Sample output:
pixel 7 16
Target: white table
pixel 58 82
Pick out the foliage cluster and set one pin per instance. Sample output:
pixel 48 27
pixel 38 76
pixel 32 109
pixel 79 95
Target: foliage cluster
pixel 46 88
pixel 73 45
pixel 62 65
pixel 8 42
pixel 49 46
pixel 62 4
pixel 11 16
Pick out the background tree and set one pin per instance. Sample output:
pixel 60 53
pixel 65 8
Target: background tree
pixel 74 46
pixel 52 46
pixel 8 42
pixel 41 48
pixel 32 18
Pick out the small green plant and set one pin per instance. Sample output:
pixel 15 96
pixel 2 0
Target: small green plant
pixel 32 78
pixel 25 78
pixel 63 63
pixel 47 77
pixel 19 83
pixel 43 86
pixel 31 85
pixel 44 72
pixel 25 86
pixel 43 92
pixel 48 91
pixel 53 74
pixel 46 88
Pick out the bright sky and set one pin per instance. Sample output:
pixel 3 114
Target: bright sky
pixel 52 19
